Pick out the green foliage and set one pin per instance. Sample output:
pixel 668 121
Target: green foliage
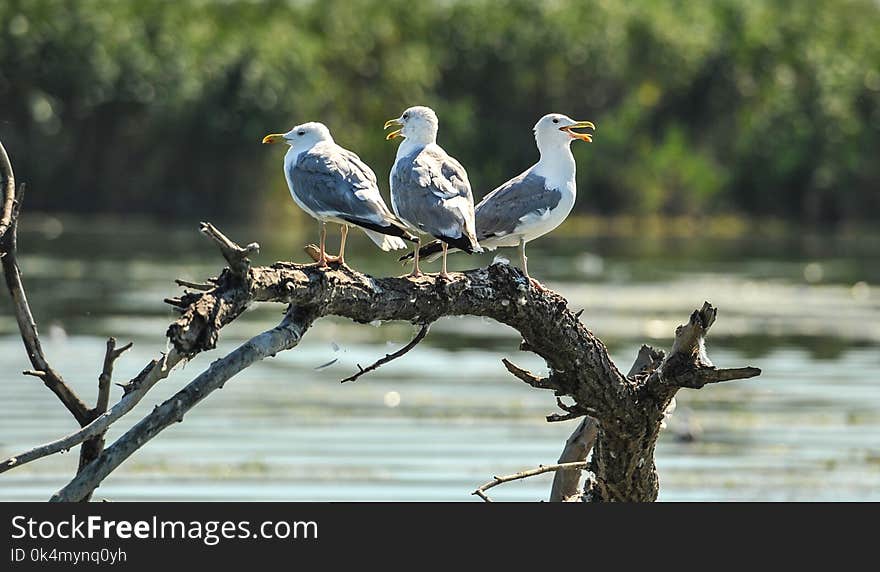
pixel 769 108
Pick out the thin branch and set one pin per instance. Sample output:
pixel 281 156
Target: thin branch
pixel 527 376
pixel 27 326
pixel 6 213
pixel 106 377
pixel 577 449
pixel 93 446
pixel 571 411
pixel 481 491
pixel 423 331
pixel 201 286
pixel 697 378
pixel 282 337
pixel 136 389
pixel 176 302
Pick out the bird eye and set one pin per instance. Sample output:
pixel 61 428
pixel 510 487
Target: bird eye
pixel 555 120
pixel 406 115
pixel 301 133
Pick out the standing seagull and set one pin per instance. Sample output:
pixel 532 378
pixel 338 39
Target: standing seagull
pixel 333 185
pixel 535 202
pixel 430 191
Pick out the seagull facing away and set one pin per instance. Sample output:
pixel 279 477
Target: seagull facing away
pixel 536 201
pixel 430 191
pixel 333 185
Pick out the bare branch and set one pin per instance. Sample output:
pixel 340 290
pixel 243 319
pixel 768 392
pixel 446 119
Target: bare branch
pixel 697 378
pixel 282 337
pixel 481 491
pixel 687 364
pixel 527 376
pixel 235 255
pixel 202 286
pixel 423 331
pixel 577 449
pixel 110 357
pixel 629 410
pixel 6 213
pixel 571 411
pixel 93 446
pixel 27 327
pixel 689 337
pixel 137 388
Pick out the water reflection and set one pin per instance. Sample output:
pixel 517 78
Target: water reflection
pixel 803 309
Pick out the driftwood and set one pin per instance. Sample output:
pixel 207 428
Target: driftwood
pixel 625 411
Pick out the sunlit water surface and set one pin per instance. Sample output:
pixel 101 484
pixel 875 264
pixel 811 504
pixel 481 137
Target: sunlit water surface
pixel 447 417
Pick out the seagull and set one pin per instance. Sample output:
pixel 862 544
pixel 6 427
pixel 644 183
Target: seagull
pixel 332 184
pixel 535 202
pixel 430 191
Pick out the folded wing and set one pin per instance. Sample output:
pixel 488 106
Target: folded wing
pixel 432 188
pixel 334 183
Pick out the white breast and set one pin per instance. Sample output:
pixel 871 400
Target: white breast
pixel 538 224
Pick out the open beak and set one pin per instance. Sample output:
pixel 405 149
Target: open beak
pixel 580 125
pixel 396 132
pixel 273 138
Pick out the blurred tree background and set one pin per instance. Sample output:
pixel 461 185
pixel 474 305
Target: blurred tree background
pixel 760 108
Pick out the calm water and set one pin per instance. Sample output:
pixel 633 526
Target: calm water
pixel 443 420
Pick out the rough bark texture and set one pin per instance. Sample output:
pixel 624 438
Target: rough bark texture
pixel 629 409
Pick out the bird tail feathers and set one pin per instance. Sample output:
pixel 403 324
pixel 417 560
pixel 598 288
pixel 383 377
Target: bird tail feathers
pixel 384 241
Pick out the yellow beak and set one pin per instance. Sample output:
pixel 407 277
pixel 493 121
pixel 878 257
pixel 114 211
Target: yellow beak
pixel 273 138
pixel 395 133
pixel 580 125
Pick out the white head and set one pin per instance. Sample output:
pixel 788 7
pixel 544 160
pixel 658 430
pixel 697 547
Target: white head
pixel 302 137
pixel 418 124
pixel 556 130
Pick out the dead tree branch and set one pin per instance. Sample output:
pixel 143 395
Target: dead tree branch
pixel 235 255
pixel 27 327
pixel 154 372
pixel 420 335
pixel 93 446
pixel 135 389
pixel 577 448
pixel 8 204
pixel 481 491
pixel 282 337
pixel 626 411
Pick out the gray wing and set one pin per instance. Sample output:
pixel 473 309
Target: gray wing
pixel 333 181
pixel 502 210
pixel 431 191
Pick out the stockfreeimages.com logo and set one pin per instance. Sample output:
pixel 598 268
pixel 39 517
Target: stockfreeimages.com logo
pixel 209 532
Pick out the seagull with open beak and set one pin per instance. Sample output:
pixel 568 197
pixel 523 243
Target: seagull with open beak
pixel 534 202
pixel 430 191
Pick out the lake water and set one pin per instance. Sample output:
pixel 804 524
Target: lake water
pixel 447 417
